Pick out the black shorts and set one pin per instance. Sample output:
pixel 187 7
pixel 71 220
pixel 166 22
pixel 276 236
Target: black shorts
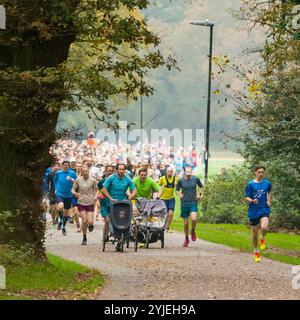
pixel 255 222
pixel 66 201
pixel 52 201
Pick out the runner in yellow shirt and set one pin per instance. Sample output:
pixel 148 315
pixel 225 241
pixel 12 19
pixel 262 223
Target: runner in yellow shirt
pixel 168 182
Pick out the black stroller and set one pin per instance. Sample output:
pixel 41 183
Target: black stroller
pixel 120 228
pixel 151 222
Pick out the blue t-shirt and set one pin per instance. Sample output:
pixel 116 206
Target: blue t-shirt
pixel 117 186
pixel 189 189
pixel 178 163
pixel 63 183
pixel 255 190
pixel 45 179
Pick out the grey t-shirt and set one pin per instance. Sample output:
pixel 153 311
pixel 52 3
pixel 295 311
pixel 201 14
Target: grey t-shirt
pixel 189 189
pixel 87 189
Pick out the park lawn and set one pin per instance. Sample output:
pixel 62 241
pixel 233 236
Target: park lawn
pixel 282 247
pixel 55 279
pixel 215 165
pixel 219 160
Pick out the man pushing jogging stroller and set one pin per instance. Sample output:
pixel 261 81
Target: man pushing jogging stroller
pixel 119 187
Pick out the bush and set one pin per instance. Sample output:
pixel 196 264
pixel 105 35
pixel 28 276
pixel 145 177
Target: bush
pixel 11 255
pixel 285 193
pixel 12 252
pixel 224 195
pixel 6 224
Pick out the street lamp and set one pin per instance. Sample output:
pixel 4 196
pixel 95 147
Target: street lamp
pixel 206 23
pixel 141 115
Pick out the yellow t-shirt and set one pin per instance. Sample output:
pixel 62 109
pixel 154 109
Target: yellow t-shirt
pixel 169 187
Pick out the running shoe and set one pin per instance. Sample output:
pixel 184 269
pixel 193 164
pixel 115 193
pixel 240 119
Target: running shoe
pixel 64 232
pixel 84 241
pixel 186 243
pixel 59 225
pixel 141 245
pixel 257 257
pixel 91 227
pixel 262 245
pixel 193 233
pixel 118 247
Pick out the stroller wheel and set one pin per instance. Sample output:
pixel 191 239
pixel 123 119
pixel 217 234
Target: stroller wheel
pixel 162 240
pixel 104 240
pixel 122 243
pixel 135 241
pixel 147 238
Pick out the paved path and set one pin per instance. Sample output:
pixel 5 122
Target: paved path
pixel 202 271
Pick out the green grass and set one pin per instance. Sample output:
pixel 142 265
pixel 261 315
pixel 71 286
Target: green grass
pixel 56 275
pixel 283 247
pixel 219 160
pixel 215 165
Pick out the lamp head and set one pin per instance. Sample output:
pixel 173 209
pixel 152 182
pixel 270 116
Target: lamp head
pixel 205 23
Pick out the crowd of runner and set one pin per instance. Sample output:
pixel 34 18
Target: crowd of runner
pixel 87 176
pixel 102 153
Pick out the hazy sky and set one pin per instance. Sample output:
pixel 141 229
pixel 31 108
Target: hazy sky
pixel 180 97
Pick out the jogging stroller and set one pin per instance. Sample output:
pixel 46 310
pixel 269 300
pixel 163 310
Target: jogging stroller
pixel 150 222
pixel 120 228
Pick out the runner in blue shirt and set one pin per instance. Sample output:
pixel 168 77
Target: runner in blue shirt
pixel 116 186
pixel 103 201
pixel 258 194
pixel 178 164
pixel 45 180
pixel 63 182
pixel 119 187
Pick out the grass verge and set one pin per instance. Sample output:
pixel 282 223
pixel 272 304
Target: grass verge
pixel 281 247
pixel 55 279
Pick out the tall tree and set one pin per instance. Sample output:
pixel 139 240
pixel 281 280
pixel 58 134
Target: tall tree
pixel 273 111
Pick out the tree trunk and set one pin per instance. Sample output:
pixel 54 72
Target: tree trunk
pixel 26 135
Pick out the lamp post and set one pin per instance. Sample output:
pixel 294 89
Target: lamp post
pixel 211 26
pixel 141 114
